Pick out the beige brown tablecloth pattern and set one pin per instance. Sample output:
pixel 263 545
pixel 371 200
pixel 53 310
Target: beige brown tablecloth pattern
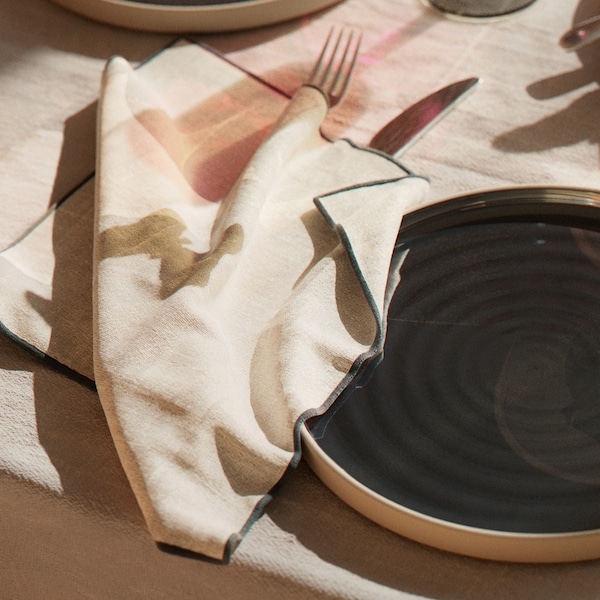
pixel 227 300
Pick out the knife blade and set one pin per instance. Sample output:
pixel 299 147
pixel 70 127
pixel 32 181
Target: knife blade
pixel 402 131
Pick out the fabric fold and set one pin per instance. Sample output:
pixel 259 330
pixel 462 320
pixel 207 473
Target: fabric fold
pixel 219 323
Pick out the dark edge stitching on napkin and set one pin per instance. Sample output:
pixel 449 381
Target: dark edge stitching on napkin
pixel 30 348
pixel 48 213
pixel 40 355
pixel 49 360
pixel 226 59
pixel 363 365
pixel 234 540
pixel 388 157
pixel 91 175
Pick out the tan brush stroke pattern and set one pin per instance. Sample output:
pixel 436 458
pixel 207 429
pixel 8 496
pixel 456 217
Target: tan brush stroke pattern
pixel 159 235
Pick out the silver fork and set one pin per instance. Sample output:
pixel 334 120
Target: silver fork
pixel 333 69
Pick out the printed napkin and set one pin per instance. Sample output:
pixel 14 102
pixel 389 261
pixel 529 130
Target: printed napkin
pixel 241 276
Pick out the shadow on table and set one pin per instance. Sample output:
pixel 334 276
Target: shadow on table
pixel 576 123
pixel 92 541
pixel 339 535
pixel 89 540
pixel 589 72
pixel 72 431
pixel 36 24
pixel 77 160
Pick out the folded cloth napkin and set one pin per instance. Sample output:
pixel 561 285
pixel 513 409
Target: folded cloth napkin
pixel 221 319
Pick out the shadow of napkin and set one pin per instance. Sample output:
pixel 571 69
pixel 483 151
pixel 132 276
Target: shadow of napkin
pixel 218 319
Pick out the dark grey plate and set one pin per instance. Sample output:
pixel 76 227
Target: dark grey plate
pixel 485 410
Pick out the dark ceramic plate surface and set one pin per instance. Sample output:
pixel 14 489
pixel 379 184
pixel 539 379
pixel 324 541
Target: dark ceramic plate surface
pixel 479 431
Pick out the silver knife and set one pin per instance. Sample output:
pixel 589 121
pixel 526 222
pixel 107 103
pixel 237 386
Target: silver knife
pixel 412 123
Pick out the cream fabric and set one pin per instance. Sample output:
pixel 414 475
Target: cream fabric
pixel 217 318
pixel 220 323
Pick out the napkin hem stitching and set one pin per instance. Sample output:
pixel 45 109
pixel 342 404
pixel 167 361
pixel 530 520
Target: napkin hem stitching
pixel 363 364
pixel 236 538
pixel 408 172
pixel 50 361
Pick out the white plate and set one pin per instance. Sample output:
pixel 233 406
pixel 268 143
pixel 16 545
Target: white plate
pixel 479 432
pixel 189 17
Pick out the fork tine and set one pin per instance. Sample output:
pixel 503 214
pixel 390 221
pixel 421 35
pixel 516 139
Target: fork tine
pixel 334 85
pixel 321 70
pixel 348 63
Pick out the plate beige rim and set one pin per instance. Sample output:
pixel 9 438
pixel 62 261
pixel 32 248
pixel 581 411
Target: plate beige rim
pixel 193 19
pixel 445 535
